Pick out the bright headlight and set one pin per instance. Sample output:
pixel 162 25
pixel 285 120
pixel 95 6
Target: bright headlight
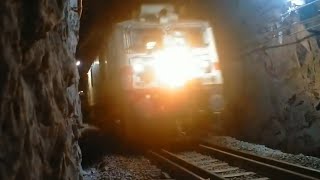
pixel 138 68
pixel 174 66
pixel 204 64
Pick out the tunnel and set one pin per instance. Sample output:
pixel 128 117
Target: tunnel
pixel 61 62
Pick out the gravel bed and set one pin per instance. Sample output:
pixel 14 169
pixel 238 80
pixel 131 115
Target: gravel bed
pixel 262 150
pixel 219 167
pixel 123 167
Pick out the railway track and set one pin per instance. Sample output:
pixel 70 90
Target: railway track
pixel 207 161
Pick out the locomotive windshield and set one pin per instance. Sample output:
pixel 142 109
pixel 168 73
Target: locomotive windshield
pixel 141 37
pixel 193 36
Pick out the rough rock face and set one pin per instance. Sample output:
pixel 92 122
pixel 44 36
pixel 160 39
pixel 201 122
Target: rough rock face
pixel 275 96
pixel 39 105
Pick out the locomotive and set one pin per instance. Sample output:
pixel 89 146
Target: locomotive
pixel 159 74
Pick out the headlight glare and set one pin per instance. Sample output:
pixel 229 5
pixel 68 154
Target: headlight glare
pixel 138 68
pixel 204 64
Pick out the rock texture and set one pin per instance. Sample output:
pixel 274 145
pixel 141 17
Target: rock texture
pixel 39 104
pixel 273 95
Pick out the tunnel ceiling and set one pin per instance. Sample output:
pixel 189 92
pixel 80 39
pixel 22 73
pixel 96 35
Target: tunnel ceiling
pixel 98 17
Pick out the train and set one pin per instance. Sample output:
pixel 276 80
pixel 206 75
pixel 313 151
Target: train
pixel 157 75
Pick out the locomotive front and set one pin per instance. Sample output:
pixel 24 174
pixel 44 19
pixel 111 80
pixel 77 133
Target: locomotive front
pixel 156 74
pixel 175 63
pixel 170 76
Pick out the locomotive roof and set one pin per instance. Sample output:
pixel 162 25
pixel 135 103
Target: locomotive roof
pixel 142 24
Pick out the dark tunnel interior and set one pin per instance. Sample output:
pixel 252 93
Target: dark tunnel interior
pixel 234 23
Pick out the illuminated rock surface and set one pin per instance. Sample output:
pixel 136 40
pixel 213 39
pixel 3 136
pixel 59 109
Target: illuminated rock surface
pixel 274 92
pixel 39 104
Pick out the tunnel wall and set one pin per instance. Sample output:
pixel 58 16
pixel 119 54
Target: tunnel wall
pixel 271 77
pixel 40 111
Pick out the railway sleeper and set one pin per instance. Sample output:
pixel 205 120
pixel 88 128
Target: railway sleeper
pixel 178 170
pixel 264 169
pixel 238 174
pixel 191 166
pixel 282 164
pixel 225 170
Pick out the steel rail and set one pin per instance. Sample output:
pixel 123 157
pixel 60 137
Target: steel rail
pixel 271 171
pixel 194 168
pixel 285 165
pixel 170 165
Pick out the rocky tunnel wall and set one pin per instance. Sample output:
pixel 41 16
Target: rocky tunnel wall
pixel 40 111
pixel 285 72
pixel 271 69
